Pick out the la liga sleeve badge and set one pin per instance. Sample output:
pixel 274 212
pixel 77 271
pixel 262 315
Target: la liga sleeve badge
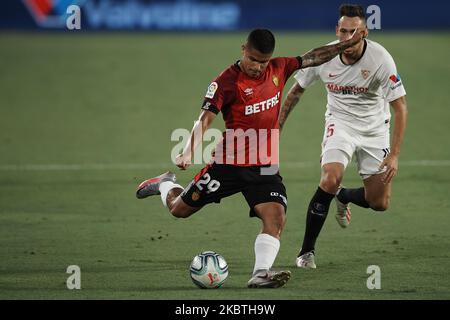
pixel 211 90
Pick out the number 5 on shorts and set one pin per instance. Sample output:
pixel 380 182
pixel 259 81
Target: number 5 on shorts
pixel 330 130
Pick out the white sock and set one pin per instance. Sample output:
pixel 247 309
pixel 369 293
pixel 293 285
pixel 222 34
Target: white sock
pixel 165 187
pixel 266 250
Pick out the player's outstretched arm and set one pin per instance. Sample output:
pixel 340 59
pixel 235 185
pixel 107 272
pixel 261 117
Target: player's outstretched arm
pixel 391 160
pixel 200 126
pixel 291 101
pixel 318 56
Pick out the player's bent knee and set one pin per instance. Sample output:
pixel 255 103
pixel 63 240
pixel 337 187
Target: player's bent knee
pixel 330 182
pixel 177 212
pixel 382 205
pixel 181 211
pixel 380 208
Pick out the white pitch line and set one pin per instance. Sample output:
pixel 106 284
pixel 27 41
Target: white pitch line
pixel 168 165
pixel 407 163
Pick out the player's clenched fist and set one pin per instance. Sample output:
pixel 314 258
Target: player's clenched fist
pixel 182 161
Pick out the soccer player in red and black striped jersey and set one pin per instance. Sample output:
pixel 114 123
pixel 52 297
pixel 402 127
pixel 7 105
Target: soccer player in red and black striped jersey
pixel 248 94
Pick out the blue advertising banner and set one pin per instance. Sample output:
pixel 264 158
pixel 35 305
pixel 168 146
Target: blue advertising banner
pixel 209 15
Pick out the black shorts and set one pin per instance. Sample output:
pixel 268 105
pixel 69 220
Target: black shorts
pixel 217 181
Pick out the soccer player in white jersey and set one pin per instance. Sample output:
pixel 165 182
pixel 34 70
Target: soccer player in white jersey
pixel 361 83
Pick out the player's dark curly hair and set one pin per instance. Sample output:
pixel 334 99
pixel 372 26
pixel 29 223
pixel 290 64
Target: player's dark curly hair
pixel 352 10
pixel 262 40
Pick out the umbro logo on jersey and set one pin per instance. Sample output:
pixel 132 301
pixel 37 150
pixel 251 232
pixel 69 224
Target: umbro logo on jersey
pixel 248 91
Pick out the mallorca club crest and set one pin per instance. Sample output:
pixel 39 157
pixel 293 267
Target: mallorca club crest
pixel 275 80
pixel 195 195
pixel 50 13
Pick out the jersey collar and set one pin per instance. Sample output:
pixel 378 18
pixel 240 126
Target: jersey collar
pixel 362 55
pixel 238 67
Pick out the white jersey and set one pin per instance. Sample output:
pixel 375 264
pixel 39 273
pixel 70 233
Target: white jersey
pixel 359 94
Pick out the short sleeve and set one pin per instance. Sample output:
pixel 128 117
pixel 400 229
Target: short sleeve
pixel 291 65
pixel 390 80
pixel 306 77
pixel 213 98
pixel 219 93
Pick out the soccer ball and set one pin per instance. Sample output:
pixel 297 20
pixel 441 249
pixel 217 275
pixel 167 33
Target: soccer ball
pixel 208 270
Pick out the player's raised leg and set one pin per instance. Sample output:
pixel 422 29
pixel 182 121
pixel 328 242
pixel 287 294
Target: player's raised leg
pixel 355 195
pixel 267 245
pixel 377 192
pixel 343 198
pixel 170 192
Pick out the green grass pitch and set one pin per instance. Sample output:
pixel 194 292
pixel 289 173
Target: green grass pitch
pixel 85 117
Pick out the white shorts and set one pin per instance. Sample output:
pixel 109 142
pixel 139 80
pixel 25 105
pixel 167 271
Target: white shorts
pixel 341 142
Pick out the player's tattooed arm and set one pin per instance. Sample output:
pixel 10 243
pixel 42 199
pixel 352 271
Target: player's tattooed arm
pixel 291 101
pixel 318 56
